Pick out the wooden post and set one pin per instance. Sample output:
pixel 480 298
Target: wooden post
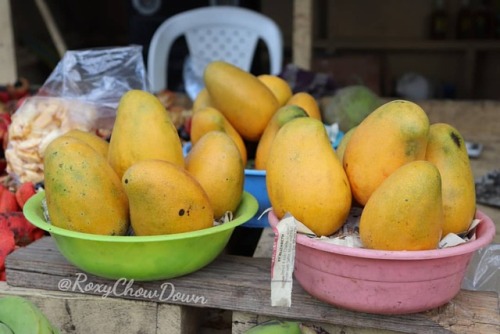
pixel 8 68
pixel 302 33
pixel 54 32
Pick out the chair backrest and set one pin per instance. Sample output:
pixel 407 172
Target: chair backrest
pixel 226 33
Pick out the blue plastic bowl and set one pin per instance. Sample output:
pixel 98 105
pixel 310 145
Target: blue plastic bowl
pixel 255 184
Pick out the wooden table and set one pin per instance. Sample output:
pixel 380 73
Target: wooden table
pixel 8 70
pixel 238 285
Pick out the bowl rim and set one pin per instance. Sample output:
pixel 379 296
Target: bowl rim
pixel 255 172
pixel 484 235
pixel 33 212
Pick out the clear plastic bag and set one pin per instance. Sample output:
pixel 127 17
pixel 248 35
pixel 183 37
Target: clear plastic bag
pixel 83 93
pixel 483 273
pixel 99 76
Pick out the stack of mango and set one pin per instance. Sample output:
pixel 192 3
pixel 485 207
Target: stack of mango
pixel 250 109
pixel 412 178
pixel 201 187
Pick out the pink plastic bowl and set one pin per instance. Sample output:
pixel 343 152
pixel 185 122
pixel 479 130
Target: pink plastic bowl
pixel 384 282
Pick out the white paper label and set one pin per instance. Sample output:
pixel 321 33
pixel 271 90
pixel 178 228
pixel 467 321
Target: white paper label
pixel 283 262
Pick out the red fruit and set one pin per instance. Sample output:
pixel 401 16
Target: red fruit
pixel 24 231
pixel 19 89
pixel 6 118
pixel 3 166
pixel 7 244
pixel 5 140
pixel 8 202
pixel 4 96
pixel 24 192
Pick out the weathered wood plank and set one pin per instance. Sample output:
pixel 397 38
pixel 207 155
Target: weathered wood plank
pixel 242 284
pixel 242 322
pixel 54 31
pixel 265 245
pixel 302 33
pixel 83 313
pixel 8 70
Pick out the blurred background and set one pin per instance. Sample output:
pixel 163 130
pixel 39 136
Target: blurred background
pixel 451 45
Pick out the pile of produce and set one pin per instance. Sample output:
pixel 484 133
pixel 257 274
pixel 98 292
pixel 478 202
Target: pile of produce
pixel 249 108
pixel 412 179
pixel 140 182
pixel 15 230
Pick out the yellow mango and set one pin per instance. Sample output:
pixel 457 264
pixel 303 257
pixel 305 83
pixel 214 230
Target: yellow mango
pixel 280 117
pixel 305 177
pixel 142 130
pixel 343 143
pixel 307 102
pixel 280 88
pixel 244 100
pixel 209 119
pixel 405 212
pixel 96 142
pixel 389 137
pixel 164 199
pixel 215 162
pixel 202 100
pixel 446 149
pixel 83 192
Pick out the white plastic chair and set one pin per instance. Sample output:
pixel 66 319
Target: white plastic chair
pixel 225 33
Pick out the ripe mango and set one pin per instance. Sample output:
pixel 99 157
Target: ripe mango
pixel 164 199
pixel 305 177
pixel 280 117
pixel 446 149
pixel 142 130
pixel 202 100
pixel 244 100
pixel 343 143
pixel 215 162
pixel 96 142
pixel 307 102
pixel 405 212
pixel 389 137
pixel 209 119
pixel 83 192
pixel 280 88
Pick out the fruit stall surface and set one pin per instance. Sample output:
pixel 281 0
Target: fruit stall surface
pixel 234 291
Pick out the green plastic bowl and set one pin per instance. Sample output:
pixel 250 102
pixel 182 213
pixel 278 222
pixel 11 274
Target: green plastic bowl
pixel 142 258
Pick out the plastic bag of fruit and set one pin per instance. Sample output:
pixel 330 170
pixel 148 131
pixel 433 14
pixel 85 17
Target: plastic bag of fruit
pixel 99 76
pixel 82 93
